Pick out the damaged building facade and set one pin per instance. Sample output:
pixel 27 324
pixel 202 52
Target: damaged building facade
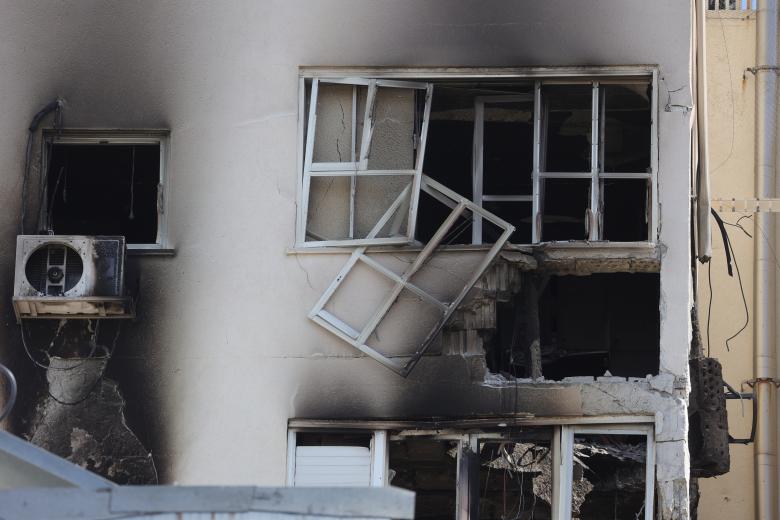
pixel 445 247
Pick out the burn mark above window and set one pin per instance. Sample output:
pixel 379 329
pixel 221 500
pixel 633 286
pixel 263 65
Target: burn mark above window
pixel 105 184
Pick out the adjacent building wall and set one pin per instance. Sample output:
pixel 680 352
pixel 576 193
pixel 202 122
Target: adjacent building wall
pixel 731 44
pixel 222 354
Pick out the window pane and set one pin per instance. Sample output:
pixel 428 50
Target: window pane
pixel 567 120
pixel 564 211
pixel 507 159
pixel 515 479
pixel 334 126
pixel 393 141
pixel 331 200
pixel 609 477
pixel 429 468
pixel 516 213
pixel 624 203
pixel 105 189
pixel 625 145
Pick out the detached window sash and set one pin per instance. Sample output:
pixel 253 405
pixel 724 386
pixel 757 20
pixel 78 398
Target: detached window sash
pixel 404 362
pixel 382 154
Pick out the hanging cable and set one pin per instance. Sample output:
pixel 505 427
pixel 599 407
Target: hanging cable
pixel 11 399
pixel 53 106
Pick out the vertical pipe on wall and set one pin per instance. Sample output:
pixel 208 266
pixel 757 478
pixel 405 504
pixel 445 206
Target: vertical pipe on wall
pixel 765 358
pixel 703 235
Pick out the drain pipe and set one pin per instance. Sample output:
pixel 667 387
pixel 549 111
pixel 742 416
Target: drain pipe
pixel 765 290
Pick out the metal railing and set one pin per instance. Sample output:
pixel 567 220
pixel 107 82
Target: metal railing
pixel 732 5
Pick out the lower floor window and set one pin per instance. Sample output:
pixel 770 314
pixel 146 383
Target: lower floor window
pixel 585 472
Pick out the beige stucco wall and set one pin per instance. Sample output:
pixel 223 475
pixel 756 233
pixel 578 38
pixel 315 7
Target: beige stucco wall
pixel 222 353
pixel 731 49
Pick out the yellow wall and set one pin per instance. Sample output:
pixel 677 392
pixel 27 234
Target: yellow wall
pixel 731 49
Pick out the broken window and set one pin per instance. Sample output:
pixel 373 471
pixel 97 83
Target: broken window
pixel 429 467
pixel 586 472
pixel 561 326
pixel 105 184
pixel 611 470
pixel 557 159
pixel 365 141
pixel 336 459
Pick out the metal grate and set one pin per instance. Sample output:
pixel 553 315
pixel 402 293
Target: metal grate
pixel 54 269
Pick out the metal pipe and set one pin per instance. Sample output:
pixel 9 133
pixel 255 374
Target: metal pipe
pixel 765 290
pixel 704 233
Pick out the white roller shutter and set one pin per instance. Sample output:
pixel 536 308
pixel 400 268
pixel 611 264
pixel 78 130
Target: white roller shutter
pixel 326 466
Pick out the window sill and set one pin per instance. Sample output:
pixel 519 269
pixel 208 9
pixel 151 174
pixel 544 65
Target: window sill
pixel 150 251
pixel 553 248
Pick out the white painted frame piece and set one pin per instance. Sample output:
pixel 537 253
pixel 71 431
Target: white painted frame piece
pixel 358 165
pixel 565 458
pixel 358 339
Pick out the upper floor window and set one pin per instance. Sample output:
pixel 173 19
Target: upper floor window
pixel 106 183
pixel 562 158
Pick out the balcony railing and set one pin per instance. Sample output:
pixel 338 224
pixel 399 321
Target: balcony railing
pixel 732 5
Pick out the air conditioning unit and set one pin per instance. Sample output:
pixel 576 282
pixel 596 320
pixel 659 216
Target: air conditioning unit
pixel 61 276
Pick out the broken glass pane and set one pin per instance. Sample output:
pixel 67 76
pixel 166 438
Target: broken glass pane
pixel 338 127
pixel 609 476
pixel 624 213
pixel 332 199
pixel 568 123
pixel 429 468
pixel 625 123
pixel 564 212
pixel 392 146
pixel 516 213
pixel 515 479
pixel 507 160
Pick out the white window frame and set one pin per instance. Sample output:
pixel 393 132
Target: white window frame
pixel 561 456
pixel 358 166
pixel 541 75
pixel 565 469
pixel 378 449
pixel 478 167
pixel 595 175
pixel 123 137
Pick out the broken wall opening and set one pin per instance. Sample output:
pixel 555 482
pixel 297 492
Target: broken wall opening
pixel 564 326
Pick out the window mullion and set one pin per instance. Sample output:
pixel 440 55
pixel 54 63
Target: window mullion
pixel 594 233
pixel 479 133
pixel 535 231
pixel 353 158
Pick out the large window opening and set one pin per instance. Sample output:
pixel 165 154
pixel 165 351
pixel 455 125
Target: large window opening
pixel 561 159
pixel 560 472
